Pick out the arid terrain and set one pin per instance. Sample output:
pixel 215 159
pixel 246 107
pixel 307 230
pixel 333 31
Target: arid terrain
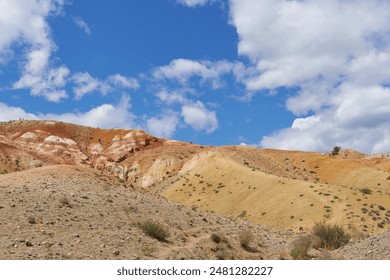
pixel 75 192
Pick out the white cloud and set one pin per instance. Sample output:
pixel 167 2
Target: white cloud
pixel 183 70
pixel 24 22
pixel 85 84
pixel 117 81
pixel 164 126
pixel 171 97
pixel 296 41
pixel 198 117
pixel 335 53
pixel 103 116
pixel 51 85
pixel 193 3
pixel 356 118
pixel 82 25
pixel 14 113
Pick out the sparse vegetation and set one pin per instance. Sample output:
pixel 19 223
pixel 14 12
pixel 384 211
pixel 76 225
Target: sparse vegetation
pixel 300 248
pixel 330 236
pixel 336 150
pixel 155 230
pixel 365 190
pixel 246 238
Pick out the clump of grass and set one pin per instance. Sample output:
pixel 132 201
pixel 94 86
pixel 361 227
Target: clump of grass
pixel 154 229
pixel 246 238
pixel 330 236
pixel 365 190
pixel 300 248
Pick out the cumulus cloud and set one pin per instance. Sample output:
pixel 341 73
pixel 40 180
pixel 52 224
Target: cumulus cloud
pixel 104 116
pixel 82 25
pixel 194 113
pixel 14 113
pixel 177 83
pixel 336 54
pixel 24 22
pixel 84 84
pixel 199 117
pixel 164 126
pixel 183 70
pixel 171 97
pixel 193 3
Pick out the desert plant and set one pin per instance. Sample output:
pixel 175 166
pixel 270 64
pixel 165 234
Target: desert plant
pixel 330 236
pixel 246 238
pixel 365 190
pixel 336 150
pixel 155 230
pixel 216 238
pixel 300 247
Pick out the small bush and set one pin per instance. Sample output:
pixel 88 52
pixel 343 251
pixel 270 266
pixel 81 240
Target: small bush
pixel 246 238
pixel 300 247
pixel 330 236
pixel 336 150
pixel 365 190
pixel 155 230
pixel 216 238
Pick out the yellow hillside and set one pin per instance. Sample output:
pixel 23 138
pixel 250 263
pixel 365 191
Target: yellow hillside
pixel 215 182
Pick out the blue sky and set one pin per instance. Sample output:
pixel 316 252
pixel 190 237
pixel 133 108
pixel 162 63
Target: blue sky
pixel 304 75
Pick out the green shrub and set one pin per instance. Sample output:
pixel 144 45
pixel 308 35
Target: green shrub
pixel 365 190
pixel 336 150
pixel 330 236
pixel 155 230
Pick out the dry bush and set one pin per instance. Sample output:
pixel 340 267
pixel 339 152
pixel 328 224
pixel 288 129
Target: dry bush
pixel 154 229
pixel 300 248
pixel 246 238
pixel 330 236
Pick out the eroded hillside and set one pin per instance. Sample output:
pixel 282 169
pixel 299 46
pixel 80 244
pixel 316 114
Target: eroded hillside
pixel 286 190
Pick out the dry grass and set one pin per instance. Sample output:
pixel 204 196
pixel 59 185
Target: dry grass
pixel 155 230
pixel 246 239
pixel 331 236
pixel 300 248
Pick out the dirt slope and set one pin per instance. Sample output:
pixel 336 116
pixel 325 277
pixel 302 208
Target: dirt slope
pixel 63 212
